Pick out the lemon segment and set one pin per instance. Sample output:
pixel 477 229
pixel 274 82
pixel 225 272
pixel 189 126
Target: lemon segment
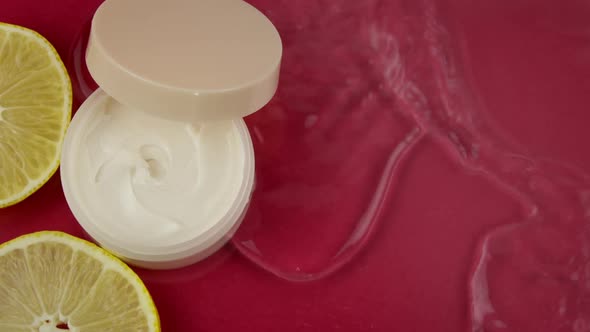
pixel 51 279
pixel 35 110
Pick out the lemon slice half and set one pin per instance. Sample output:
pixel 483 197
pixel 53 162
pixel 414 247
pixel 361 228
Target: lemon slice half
pixel 51 281
pixel 35 109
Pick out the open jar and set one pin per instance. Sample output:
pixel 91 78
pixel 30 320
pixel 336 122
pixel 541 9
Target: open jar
pixel 158 165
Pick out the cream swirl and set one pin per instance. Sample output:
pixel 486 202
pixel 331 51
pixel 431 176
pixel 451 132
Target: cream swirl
pixel 148 185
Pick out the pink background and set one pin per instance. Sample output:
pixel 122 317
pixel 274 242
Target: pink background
pixel 413 273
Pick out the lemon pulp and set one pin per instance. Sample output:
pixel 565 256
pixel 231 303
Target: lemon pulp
pixel 35 109
pixel 51 281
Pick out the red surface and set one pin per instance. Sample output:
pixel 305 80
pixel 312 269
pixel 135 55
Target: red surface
pixel 527 63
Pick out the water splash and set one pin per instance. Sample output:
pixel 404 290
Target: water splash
pixel 530 276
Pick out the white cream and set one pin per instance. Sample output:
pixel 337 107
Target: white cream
pixel 157 192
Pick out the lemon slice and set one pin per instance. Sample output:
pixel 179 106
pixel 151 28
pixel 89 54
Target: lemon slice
pixel 35 109
pixel 51 281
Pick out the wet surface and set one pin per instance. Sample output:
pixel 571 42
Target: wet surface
pixel 422 167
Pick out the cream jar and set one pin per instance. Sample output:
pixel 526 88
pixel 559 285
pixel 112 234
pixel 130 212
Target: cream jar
pixel 158 164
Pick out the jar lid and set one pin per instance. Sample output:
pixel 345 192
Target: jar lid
pixel 191 60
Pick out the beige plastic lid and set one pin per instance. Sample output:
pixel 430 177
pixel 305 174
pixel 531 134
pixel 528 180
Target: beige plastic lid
pixel 189 60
